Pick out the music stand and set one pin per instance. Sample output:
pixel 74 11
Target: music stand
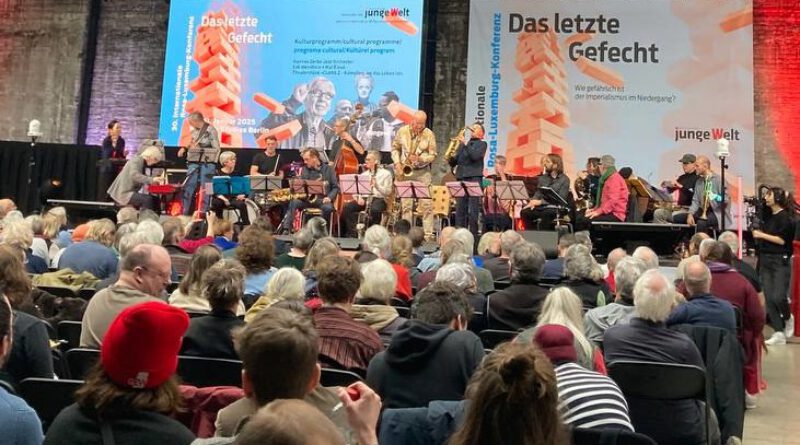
pixel 201 157
pixel 511 191
pixel 222 185
pixel 412 190
pixel 258 183
pixel 557 201
pixel 464 189
pixel 355 185
pixel 307 186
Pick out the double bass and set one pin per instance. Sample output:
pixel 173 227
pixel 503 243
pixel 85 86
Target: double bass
pixel 346 161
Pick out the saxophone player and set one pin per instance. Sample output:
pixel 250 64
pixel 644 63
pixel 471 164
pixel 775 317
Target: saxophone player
pixel 413 150
pixel 468 162
pixel 381 187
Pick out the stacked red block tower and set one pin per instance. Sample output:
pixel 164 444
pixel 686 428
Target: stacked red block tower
pixel 218 87
pixel 542 117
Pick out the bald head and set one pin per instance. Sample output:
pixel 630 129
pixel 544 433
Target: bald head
pixel 420 119
pixel 697 278
pixel 613 258
pixel 647 255
pixel 146 268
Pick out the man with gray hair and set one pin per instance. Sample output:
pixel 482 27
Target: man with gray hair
pixel 314 99
pixel 518 306
pixel 597 320
pixel 647 255
pixel 125 189
pixel 144 274
pixel 748 271
pixel 611 264
pixel 203 136
pixel 612 195
pixel 647 338
pixel 702 308
pixel 554 269
pixel 462 275
pixel 484 277
pixel 498 266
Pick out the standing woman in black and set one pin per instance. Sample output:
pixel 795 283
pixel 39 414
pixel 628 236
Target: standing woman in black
pixel 774 242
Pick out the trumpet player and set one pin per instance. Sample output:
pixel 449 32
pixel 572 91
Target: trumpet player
pixel 468 163
pixel 380 188
pixel 413 151
pixel 705 212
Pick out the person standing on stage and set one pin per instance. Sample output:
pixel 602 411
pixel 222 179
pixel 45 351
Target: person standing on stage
pixel 468 162
pixel 315 170
pixel 539 214
pixel 612 195
pixel 774 242
pixel 381 186
pixel 125 189
pixel 706 210
pixel 204 136
pixel 344 139
pixel 266 162
pixel 227 160
pixel 685 186
pixel 415 147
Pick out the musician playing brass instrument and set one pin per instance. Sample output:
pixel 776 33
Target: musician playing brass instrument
pixel 317 170
pixel 685 185
pixel 381 186
pixel 707 203
pixel 413 151
pixel 468 162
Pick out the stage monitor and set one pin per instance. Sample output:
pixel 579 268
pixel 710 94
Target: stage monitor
pixel 289 68
pixel 547 240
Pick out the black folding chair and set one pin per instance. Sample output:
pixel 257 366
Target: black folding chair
pixel 338 377
pixel 661 381
pixel 589 436
pixel 87 293
pixel 59 291
pixel 493 337
pixel 48 397
pixel 69 332
pixel 403 311
pixel 80 361
pixel 202 371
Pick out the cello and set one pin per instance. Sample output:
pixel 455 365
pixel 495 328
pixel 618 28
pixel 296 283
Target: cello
pixel 346 161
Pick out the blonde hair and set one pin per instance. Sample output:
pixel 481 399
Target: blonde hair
pixel 226 156
pixel 486 241
pixel 563 307
pixel 18 234
pixel 287 283
pixel 102 231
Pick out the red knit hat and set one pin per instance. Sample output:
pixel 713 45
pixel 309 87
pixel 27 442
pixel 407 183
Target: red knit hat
pixel 140 348
pixel 557 343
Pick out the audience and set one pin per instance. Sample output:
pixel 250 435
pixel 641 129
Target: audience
pixel 189 294
pixel 175 232
pixel 372 306
pixel 597 320
pixel 127 215
pixel 585 278
pixel 554 269
pixel 39 246
pixel 562 307
pixel 132 391
pixel 288 283
pixel 402 251
pixel 18 421
pixel 587 399
pixel 223 235
pixel 432 261
pixel 517 306
pixel 211 335
pixel 748 271
pixel 151 227
pixel 94 253
pixel 322 248
pixel 377 241
pixel 19 235
pixel 279 350
pixel 144 274
pixel 483 276
pixel 289 422
pixel 417 237
pixel 498 266
pixel 432 356
pixel 344 343
pixel 255 252
pixel 29 353
pixel 611 263
pixel 458 271
pixel 648 256
pixel 646 338
pixel 489 246
pixel 701 307
pixel 296 256
pixel 6 206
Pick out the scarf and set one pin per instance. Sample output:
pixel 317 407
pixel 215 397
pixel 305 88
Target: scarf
pixel 609 171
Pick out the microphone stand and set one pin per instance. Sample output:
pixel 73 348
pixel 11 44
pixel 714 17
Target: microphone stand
pixel 723 205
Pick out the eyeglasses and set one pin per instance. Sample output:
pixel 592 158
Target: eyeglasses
pixel 166 276
pixel 320 94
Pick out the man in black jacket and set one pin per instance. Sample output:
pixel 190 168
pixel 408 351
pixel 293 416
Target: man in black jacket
pixel 518 306
pixel 315 170
pixel 433 356
pixel 468 161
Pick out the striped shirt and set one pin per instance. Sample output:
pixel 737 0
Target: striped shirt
pixel 588 399
pixel 345 343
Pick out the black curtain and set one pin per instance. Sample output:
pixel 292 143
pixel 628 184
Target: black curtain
pixel 75 167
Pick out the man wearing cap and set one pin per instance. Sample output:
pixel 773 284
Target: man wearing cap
pixel 144 274
pixel 684 184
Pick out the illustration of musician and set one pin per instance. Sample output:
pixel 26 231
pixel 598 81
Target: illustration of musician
pixel 315 99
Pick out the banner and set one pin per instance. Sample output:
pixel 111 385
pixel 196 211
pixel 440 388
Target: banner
pixel 643 81
pixel 256 68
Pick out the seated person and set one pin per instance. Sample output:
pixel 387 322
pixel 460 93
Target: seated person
pixel 296 256
pixel 189 294
pixel 255 252
pixel 701 307
pixel 223 235
pixel 620 311
pixel 498 266
pixel 518 306
pixel 554 269
pixel 220 202
pixel 344 343
pixel 94 253
pixel 211 335
pixel 372 302
pixel 647 338
pixel 378 242
pixel 314 169
pixel 539 213
pixel 433 356
pixel 585 278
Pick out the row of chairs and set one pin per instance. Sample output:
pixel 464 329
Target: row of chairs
pixel 85 293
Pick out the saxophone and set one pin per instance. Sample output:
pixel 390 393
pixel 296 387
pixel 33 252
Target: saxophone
pixel 453 145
